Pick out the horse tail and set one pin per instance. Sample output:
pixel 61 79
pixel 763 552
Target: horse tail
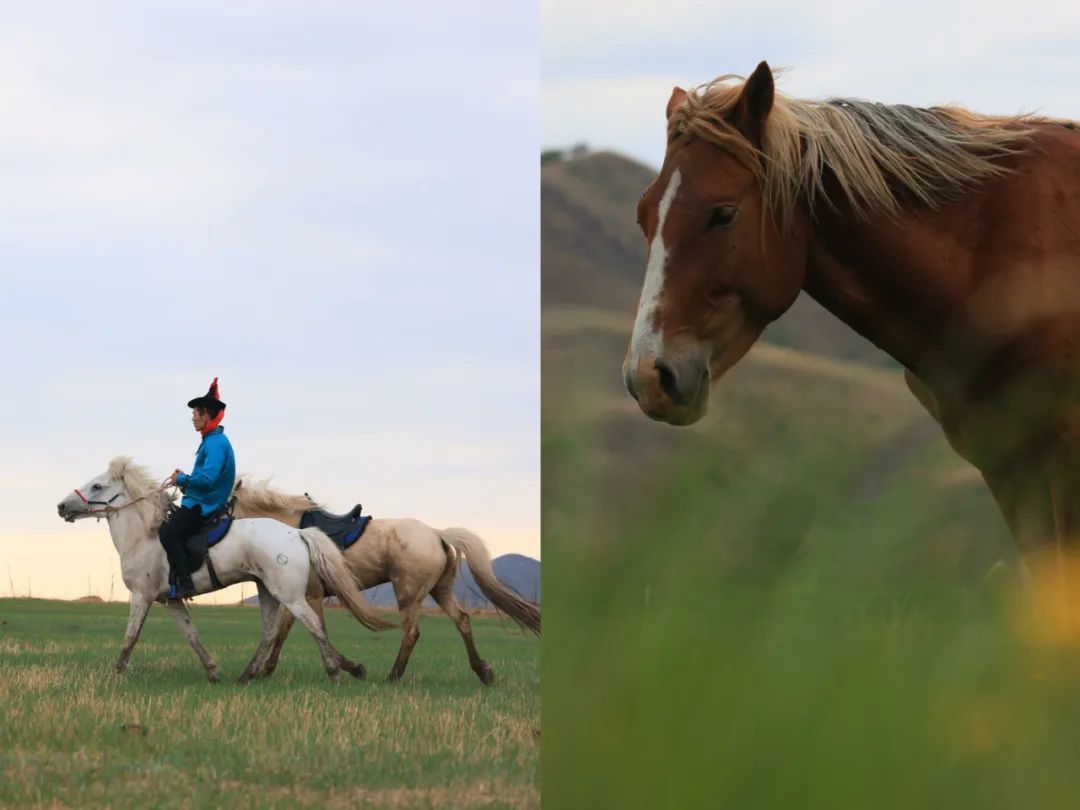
pixel 330 567
pixel 522 611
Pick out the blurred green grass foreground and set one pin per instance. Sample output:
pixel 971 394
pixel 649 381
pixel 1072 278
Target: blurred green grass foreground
pixel 807 600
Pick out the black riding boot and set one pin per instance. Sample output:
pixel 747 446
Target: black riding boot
pixel 185 588
pixel 174 532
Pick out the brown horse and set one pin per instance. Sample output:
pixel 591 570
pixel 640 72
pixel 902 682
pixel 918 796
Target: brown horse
pixel 949 239
pixel 416 558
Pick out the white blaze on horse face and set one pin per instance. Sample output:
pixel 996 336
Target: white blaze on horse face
pixel 645 338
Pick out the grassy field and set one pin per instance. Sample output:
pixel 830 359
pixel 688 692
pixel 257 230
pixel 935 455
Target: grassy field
pixel 73 734
pixel 751 636
pixel 806 601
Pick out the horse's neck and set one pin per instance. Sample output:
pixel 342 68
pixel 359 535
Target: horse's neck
pixel 895 282
pixel 129 530
pixel 941 290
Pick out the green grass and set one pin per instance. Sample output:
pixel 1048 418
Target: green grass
pixel 73 734
pixel 796 604
pixel 753 637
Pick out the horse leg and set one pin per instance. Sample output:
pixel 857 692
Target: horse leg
pixel 443 594
pixel 179 611
pixel 285 621
pixel 271 612
pixel 138 607
pixel 282 624
pixel 310 619
pixel 1040 500
pixel 1064 478
pixel 1025 503
pixel 409 608
pixel 357 670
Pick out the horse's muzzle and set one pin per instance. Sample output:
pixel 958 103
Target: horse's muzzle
pixel 669 389
pixel 66 513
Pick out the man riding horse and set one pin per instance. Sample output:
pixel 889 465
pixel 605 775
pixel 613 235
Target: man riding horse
pixel 206 490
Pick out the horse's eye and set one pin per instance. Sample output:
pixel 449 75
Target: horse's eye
pixel 723 215
pixel 719 292
pixel 96 487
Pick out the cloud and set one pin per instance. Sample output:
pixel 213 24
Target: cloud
pixel 609 70
pixel 619 112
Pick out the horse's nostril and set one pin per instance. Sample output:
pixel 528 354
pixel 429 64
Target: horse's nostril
pixel 669 383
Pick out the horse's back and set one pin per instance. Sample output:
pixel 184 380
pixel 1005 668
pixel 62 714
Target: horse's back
pixel 264 541
pixel 391 545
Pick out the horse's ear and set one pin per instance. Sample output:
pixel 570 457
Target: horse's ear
pixel 678 96
pixel 754 104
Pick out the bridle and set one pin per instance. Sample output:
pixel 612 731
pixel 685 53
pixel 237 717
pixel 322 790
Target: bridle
pixel 108 508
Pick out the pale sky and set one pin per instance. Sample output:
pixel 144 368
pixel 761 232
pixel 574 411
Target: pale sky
pixel 332 206
pixel 609 65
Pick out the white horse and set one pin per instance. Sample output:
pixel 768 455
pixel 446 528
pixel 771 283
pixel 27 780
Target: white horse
pixel 279 559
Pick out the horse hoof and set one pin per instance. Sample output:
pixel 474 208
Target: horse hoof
pixel 212 676
pixel 119 670
pixel 394 676
pixel 335 677
pixel 486 675
pixel 358 671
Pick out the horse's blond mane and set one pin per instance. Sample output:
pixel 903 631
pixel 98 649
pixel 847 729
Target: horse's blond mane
pixel 258 496
pixel 875 152
pixel 141 487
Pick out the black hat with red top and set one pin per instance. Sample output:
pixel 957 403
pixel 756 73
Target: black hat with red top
pixel 209 401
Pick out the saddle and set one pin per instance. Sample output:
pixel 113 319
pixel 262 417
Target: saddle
pixel 213 530
pixel 198 545
pixel 344 530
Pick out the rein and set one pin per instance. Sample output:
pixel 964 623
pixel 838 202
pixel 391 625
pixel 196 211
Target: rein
pixel 108 508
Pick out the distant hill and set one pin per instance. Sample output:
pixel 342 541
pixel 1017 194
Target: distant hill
pixel 592 251
pixel 518 572
pixel 594 255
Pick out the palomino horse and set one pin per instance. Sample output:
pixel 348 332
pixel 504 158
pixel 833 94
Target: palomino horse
pixel 280 560
pixel 949 239
pixel 416 558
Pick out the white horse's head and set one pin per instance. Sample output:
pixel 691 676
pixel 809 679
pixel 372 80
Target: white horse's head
pixel 120 485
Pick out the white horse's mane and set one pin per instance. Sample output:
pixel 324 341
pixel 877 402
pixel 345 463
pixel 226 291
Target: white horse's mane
pixel 141 487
